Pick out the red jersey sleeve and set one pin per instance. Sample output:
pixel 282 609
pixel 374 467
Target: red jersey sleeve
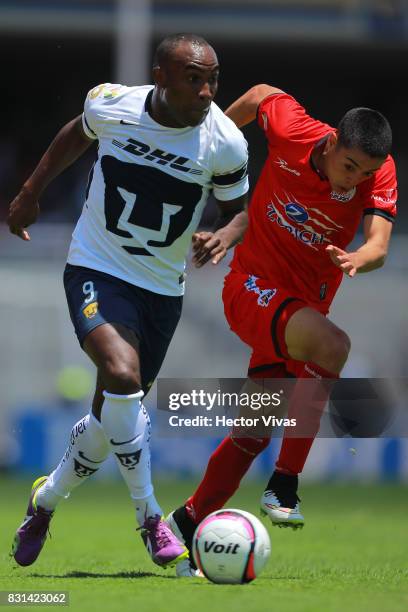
pixel 281 117
pixel 381 199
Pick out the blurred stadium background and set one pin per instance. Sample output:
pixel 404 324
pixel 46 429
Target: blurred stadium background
pixel 331 55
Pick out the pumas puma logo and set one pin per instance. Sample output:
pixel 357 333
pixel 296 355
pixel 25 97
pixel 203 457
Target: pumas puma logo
pixel 83 471
pixel 129 460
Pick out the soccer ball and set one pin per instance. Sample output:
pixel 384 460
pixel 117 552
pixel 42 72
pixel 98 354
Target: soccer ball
pixel 231 546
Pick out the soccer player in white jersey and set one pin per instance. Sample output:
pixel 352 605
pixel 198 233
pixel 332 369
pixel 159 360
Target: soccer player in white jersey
pixel 161 150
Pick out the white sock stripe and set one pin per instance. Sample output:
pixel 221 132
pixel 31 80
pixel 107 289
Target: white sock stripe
pixel 123 398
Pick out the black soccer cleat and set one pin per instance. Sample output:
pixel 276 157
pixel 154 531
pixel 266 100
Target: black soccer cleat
pixel 280 501
pixel 183 528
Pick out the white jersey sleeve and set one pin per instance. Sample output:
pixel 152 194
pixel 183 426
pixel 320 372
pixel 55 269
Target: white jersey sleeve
pixel 230 171
pixel 96 108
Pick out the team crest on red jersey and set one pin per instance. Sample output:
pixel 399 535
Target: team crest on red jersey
pixel 343 197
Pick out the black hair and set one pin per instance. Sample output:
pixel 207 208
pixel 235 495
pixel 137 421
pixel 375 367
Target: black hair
pixel 170 43
pixel 365 129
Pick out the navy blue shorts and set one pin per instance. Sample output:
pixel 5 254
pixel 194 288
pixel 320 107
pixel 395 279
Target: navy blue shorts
pixel 95 298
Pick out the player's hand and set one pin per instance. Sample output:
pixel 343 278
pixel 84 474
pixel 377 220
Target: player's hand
pixel 347 262
pixel 23 212
pixel 206 246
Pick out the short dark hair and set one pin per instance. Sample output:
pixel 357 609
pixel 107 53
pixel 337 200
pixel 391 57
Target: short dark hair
pixel 365 129
pixel 170 43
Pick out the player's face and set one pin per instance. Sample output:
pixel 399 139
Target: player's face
pixel 188 84
pixel 347 168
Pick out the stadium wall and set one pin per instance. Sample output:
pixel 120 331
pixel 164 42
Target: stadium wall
pixel 38 342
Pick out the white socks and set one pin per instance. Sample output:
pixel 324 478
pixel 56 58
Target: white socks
pixel 87 450
pixel 127 428
pixel 124 430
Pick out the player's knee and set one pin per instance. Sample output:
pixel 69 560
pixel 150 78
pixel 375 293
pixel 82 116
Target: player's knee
pixel 341 345
pixel 121 377
pixel 334 351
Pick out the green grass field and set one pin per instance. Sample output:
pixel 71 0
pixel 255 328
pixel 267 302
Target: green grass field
pixel 351 556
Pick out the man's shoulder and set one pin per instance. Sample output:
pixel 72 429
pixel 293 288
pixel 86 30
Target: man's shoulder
pixel 112 103
pixel 114 94
pixel 225 134
pixel 221 121
pixel 282 116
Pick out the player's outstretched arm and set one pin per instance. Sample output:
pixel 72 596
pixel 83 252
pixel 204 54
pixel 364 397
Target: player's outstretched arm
pixel 371 255
pixel 229 230
pixel 69 144
pixel 243 110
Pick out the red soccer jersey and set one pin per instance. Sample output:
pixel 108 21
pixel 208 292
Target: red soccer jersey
pixel 294 215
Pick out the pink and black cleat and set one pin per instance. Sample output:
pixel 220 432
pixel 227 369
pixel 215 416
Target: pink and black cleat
pixel 163 546
pixel 32 533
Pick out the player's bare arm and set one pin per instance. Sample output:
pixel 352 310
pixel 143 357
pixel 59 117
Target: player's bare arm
pixel 371 255
pixel 243 110
pixel 229 230
pixel 69 144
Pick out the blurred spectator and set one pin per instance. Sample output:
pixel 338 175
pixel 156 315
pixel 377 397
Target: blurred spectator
pixel 388 17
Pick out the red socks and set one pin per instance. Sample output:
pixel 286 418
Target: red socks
pixel 227 466
pixel 306 405
pixel 231 460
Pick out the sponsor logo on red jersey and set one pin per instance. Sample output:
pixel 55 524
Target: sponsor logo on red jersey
pixel 302 223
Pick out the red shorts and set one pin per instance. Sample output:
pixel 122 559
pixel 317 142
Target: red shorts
pixel 258 311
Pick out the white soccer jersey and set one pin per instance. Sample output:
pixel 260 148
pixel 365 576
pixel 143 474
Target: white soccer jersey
pixel 148 188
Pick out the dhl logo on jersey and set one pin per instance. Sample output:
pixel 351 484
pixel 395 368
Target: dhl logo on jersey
pixel 302 228
pixel 91 310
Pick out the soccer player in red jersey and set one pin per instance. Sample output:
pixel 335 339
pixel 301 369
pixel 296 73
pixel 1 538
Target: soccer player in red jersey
pixel 316 186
